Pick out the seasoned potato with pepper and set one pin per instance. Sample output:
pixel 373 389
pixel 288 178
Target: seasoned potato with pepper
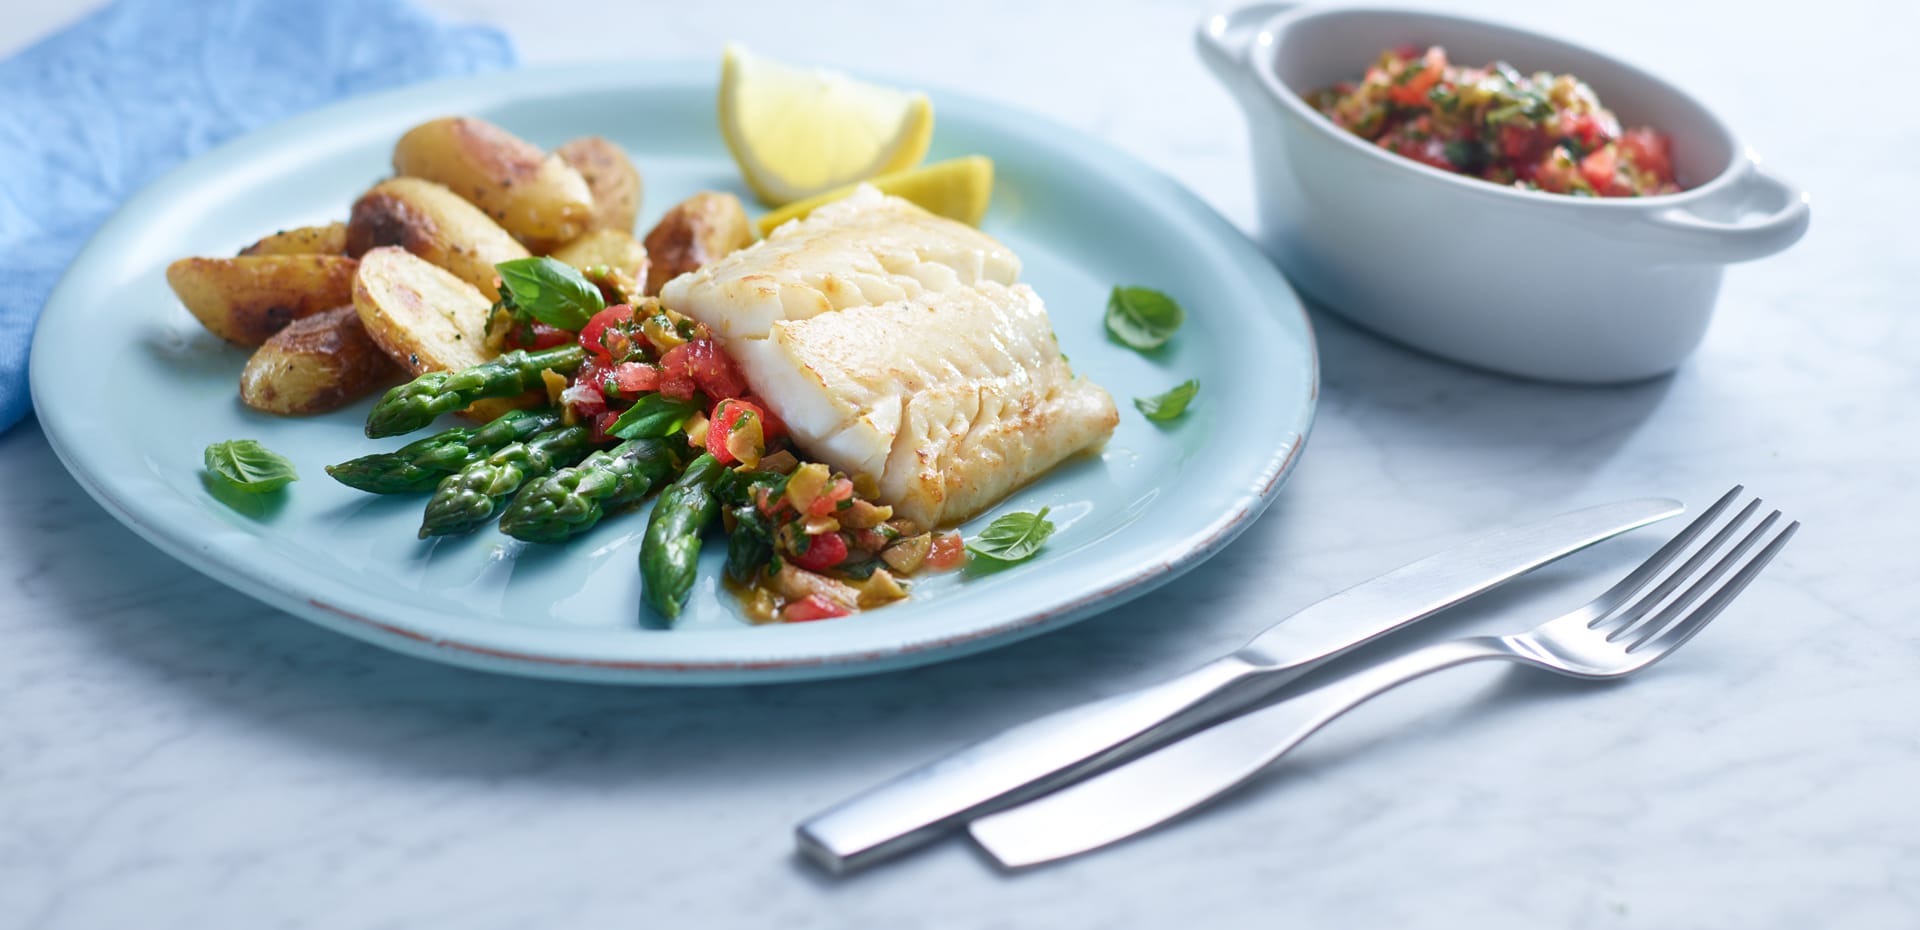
pixel 330 239
pixel 697 231
pixel 247 299
pixel 318 363
pixel 613 248
pixel 432 222
pixel 539 198
pixel 425 317
pixel 612 178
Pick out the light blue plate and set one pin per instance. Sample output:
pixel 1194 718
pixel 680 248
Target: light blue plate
pixel 130 389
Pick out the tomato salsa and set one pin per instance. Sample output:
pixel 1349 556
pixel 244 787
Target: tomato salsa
pixel 1544 132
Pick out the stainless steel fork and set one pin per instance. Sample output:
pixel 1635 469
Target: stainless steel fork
pixel 1624 630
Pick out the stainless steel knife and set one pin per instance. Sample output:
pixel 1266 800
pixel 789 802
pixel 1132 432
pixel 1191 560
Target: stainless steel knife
pixel 922 804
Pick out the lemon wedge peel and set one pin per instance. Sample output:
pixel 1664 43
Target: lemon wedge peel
pixel 958 188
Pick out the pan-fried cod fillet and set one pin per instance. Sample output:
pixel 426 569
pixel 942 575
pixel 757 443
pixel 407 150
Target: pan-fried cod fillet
pixel 896 344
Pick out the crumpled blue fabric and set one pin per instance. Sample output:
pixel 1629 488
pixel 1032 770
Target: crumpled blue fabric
pixel 91 114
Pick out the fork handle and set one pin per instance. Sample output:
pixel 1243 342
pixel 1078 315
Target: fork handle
pixel 1181 776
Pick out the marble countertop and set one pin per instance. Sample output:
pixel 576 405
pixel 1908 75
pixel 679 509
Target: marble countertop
pixel 174 755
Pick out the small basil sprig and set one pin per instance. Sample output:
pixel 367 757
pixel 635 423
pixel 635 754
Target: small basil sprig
pixel 248 466
pixel 1169 406
pixel 1014 537
pixel 653 417
pixel 1142 317
pixel 553 292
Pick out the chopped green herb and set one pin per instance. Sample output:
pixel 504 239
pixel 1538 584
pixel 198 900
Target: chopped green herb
pixel 553 292
pixel 652 417
pixel 1142 317
pixel 249 466
pixel 1014 537
pixel 1171 405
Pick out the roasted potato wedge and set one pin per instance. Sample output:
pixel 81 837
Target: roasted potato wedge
pixel 423 316
pixel 426 319
pixel 539 198
pixel 433 223
pixel 247 299
pixel 613 248
pixel 318 363
pixel 612 178
pixel 330 239
pixel 700 229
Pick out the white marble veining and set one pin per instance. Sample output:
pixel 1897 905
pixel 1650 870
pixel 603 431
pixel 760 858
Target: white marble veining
pixel 173 755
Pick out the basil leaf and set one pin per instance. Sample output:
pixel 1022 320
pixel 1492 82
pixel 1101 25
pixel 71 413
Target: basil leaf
pixel 1170 405
pixel 653 417
pixel 1142 317
pixel 1014 537
pixel 553 292
pixel 249 466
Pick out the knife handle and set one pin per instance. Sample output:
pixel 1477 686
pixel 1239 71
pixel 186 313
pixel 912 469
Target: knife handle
pixel 1017 764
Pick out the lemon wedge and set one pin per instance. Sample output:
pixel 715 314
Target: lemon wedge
pixel 797 132
pixel 958 188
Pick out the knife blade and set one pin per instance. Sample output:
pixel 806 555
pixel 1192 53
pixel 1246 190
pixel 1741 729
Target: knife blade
pixel 922 804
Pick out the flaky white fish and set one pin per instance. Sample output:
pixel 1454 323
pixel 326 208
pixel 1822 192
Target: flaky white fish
pixel 899 345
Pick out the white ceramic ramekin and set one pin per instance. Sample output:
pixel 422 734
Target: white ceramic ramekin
pixel 1534 284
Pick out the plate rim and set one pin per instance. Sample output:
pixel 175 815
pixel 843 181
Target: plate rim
pixel 476 651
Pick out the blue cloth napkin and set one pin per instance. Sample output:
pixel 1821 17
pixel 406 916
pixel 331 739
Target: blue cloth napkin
pixel 90 115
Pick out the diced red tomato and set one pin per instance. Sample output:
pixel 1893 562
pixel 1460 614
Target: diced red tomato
pixel 1584 128
pixel 727 416
pixel 948 551
pixel 1425 151
pixel 1522 144
pixel 813 607
pixel 829 501
pixel 824 551
pixel 601 423
pixel 593 335
pixel 676 373
pixel 544 337
pixel 634 378
pixel 1556 172
pixel 1599 167
pixel 588 392
pixel 700 365
pixel 1411 90
pixel 1649 151
pixel 714 371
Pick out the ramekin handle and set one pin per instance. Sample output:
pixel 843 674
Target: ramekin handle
pixel 1776 214
pixel 1223 37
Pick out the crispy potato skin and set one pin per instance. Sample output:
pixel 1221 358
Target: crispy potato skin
pixel 611 177
pixel 433 223
pixel 247 299
pixel 330 239
pixel 539 198
pixel 698 230
pixel 318 363
pixel 617 249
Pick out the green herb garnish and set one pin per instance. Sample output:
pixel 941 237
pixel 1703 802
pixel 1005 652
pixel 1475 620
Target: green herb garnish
pixel 1172 404
pixel 1014 537
pixel 652 417
pixel 1142 317
pixel 553 292
pixel 249 466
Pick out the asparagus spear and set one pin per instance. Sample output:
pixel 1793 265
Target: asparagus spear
pixel 419 465
pixel 472 496
pixel 670 550
pixel 572 500
pixel 413 405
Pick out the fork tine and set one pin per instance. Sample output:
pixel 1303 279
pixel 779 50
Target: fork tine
pixel 1611 600
pixel 1694 622
pixel 1627 617
pixel 1699 586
